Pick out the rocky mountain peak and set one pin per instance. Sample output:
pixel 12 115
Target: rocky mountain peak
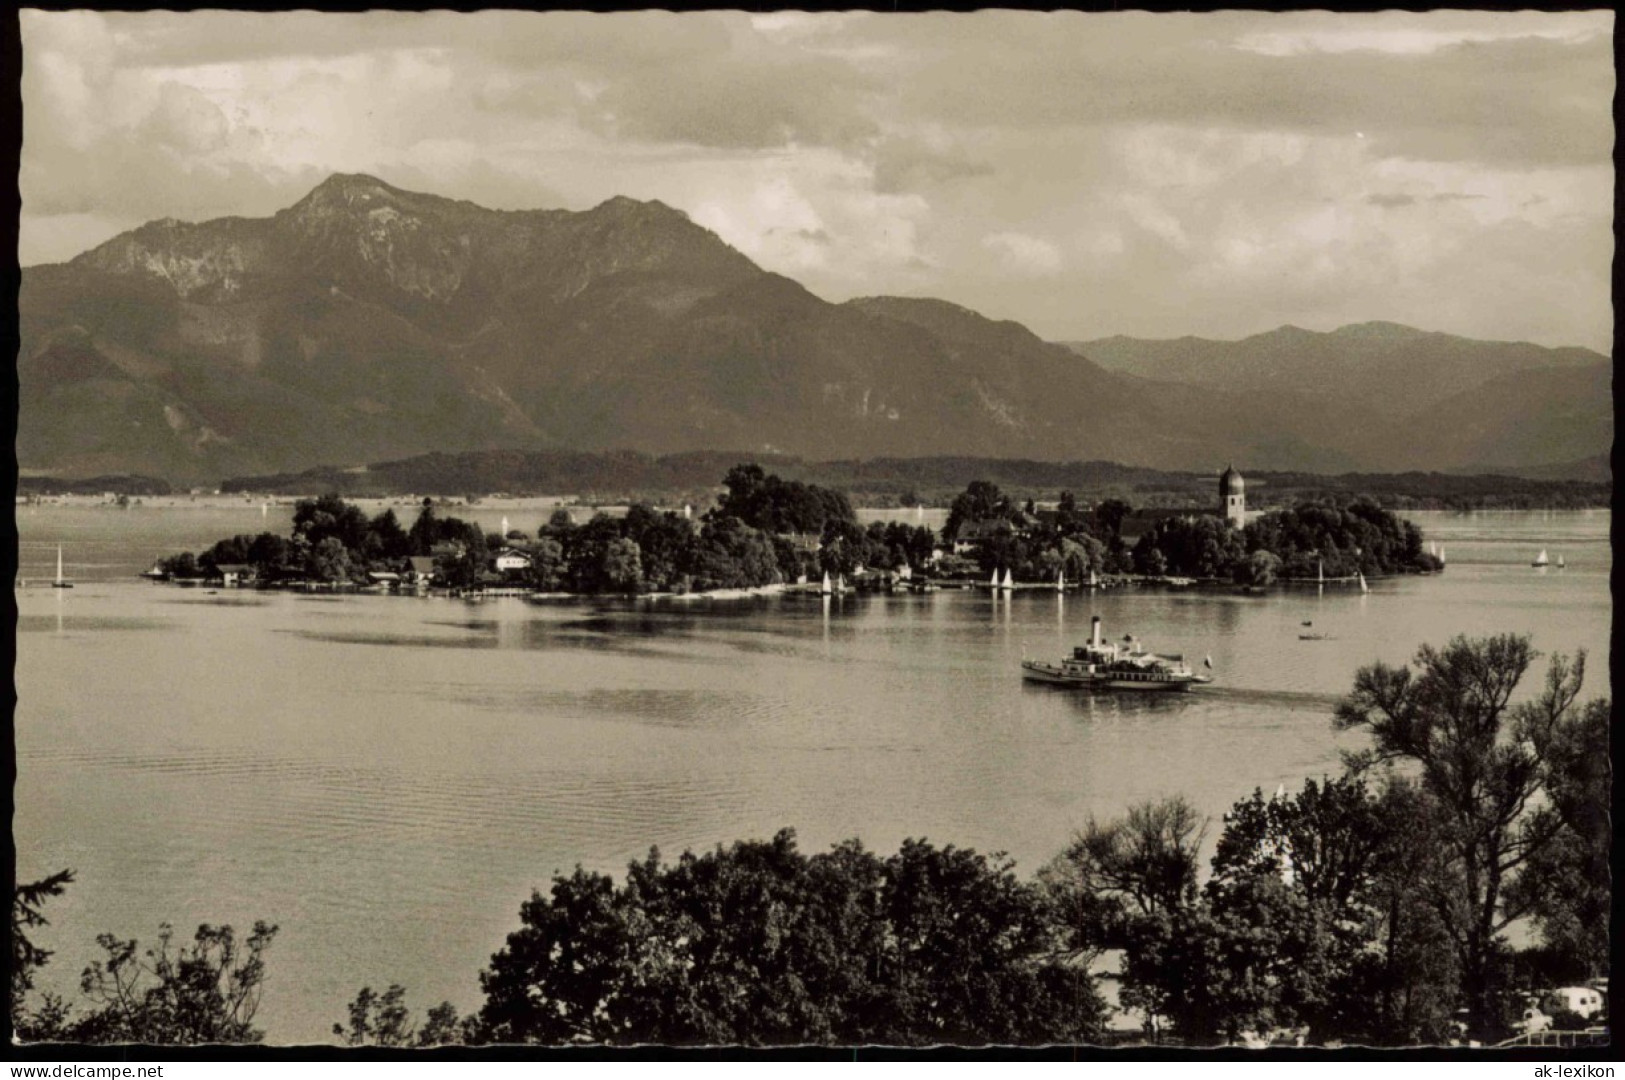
pixel 624 204
pixel 350 189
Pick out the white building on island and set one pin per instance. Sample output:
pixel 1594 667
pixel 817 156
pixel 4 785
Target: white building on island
pixel 1232 498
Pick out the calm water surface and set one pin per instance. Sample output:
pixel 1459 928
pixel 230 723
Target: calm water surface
pixel 388 778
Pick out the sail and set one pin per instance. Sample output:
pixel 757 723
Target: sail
pixel 1320 571
pixel 59 562
pixel 1441 556
pixel 824 588
pixel 1541 559
pixel 1009 580
pixel 1363 587
pixel 1091 577
pixel 1560 562
pixel 995 581
pixel 1060 581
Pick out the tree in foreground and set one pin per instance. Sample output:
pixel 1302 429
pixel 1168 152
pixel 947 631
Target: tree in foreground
pixel 1484 765
pixel 1142 865
pixel 27 915
pixel 758 944
pixel 384 1020
pixel 204 992
pixel 1313 920
pixel 1567 885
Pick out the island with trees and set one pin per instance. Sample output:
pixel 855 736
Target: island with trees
pixel 1369 908
pixel 766 531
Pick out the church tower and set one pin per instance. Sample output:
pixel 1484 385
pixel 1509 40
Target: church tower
pixel 1232 499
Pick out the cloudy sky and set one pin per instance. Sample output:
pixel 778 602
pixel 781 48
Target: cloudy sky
pixel 1154 175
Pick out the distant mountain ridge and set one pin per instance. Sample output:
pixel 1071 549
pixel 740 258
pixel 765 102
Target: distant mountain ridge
pixel 1508 405
pixel 366 322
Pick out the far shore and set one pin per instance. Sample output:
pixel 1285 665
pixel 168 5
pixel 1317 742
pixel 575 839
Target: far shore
pixel 233 502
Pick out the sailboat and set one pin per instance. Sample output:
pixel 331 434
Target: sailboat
pixel 1441 556
pixel 994 583
pixel 60 582
pixel 1363 587
pixel 1009 580
pixel 1560 562
pixel 824 589
pixel 840 583
pixel 1092 582
pixel 1541 559
pixel 1060 581
pixel 1320 571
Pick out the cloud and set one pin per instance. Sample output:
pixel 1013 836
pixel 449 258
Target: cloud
pixel 821 222
pixel 1020 254
pixel 1084 173
pixel 904 163
pixel 1549 97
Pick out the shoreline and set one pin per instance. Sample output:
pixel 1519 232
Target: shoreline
pixel 497 591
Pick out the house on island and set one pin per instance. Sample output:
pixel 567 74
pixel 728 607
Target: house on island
pixel 973 534
pixel 232 575
pixel 509 561
pixel 417 570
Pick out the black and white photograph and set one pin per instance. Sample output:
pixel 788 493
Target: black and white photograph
pixel 1020 531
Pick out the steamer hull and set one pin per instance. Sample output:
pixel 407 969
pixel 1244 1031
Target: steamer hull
pixel 1055 675
pixel 1127 667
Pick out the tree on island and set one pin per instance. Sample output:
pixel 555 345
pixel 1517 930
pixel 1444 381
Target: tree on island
pixel 764 501
pixel 1107 518
pixel 623 565
pixel 1339 539
pixel 980 501
pixel 329 561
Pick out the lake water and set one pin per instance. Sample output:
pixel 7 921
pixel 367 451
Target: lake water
pixel 388 778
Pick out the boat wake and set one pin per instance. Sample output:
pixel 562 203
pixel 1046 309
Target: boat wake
pixel 1285 699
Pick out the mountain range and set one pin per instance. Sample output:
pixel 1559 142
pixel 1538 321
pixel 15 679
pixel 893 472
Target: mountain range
pixel 366 322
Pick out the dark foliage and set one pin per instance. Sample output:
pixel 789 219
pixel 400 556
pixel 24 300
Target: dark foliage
pixel 1483 765
pixel 205 992
pixel 95 485
pixel 384 1020
pixel 27 902
pixel 1337 538
pixel 758 944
